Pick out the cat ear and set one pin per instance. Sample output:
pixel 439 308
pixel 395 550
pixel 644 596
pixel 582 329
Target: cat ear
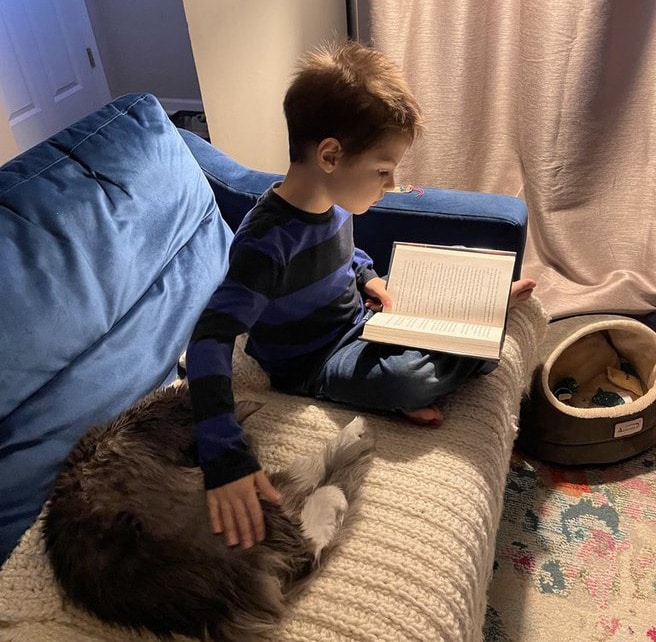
pixel 246 408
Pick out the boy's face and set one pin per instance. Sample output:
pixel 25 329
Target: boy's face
pixel 360 181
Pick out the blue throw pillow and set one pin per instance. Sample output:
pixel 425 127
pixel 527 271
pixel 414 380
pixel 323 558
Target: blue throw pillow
pixel 111 244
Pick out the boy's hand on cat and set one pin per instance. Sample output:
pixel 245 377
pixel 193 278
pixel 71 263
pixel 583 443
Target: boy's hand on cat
pixel 376 295
pixel 235 508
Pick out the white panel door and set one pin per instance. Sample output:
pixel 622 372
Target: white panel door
pixel 50 70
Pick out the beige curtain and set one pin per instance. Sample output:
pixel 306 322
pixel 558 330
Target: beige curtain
pixel 552 101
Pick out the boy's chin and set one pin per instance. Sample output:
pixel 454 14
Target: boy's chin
pixel 357 208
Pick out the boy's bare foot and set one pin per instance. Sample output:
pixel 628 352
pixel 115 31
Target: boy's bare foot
pixel 521 290
pixel 431 416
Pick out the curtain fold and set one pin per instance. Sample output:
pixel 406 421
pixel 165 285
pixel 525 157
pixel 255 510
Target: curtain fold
pixel 553 102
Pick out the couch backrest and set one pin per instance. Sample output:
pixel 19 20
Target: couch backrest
pixel 447 217
pixel 111 244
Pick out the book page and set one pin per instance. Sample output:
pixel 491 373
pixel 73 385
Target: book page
pixel 450 283
pixel 435 326
pixel 481 341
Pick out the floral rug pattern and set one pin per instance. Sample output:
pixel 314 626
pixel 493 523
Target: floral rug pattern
pixel 576 553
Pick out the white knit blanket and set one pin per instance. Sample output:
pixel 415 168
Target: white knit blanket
pixel 418 562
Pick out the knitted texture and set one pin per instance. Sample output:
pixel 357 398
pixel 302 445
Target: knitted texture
pixel 417 563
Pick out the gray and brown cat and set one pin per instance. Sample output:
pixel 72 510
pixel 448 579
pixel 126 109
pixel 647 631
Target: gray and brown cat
pixel 128 536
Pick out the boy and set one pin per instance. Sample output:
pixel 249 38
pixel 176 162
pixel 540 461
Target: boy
pixel 299 287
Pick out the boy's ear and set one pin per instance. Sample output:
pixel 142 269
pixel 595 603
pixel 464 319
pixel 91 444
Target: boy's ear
pixel 329 151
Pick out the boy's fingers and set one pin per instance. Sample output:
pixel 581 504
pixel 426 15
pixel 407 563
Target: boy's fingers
pixel 386 301
pixel 237 512
pixel 256 517
pixel 215 515
pixel 229 525
pixel 243 525
pixel 266 487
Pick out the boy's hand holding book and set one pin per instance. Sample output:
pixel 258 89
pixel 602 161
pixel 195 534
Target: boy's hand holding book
pixel 377 296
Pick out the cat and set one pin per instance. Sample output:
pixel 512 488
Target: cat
pixel 128 537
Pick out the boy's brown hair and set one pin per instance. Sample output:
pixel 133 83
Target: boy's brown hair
pixel 349 92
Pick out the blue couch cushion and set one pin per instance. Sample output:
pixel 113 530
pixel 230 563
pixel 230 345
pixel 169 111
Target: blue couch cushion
pixel 111 245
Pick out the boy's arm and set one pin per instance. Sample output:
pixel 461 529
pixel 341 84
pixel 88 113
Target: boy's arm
pixel 232 473
pixel 363 266
pixel 223 453
pixel 371 286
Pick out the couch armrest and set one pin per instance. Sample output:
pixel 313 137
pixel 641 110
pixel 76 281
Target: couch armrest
pixel 446 217
pixel 443 217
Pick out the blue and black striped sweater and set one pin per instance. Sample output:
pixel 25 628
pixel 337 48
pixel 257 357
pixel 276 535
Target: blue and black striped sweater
pixel 294 284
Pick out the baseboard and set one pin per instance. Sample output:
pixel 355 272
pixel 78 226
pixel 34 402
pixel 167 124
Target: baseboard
pixel 171 105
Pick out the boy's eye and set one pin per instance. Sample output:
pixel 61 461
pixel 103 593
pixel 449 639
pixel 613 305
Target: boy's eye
pixel 383 172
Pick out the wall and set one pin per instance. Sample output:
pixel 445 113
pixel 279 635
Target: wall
pixel 245 52
pixel 144 46
pixel 8 146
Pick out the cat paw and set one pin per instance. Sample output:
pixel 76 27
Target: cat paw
pixel 322 515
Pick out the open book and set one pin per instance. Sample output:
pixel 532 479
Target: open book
pixel 446 299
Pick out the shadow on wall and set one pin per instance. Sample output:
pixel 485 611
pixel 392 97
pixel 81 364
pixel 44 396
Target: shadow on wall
pixel 194 121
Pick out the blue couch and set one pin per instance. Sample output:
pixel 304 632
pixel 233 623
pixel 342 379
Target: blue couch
pixel 111 243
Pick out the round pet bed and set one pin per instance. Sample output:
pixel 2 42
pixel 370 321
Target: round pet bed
pixel 593 395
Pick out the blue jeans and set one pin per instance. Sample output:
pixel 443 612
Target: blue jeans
pixel 379 376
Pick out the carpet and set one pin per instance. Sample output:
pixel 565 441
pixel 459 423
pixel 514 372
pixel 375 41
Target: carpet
pixel 576 553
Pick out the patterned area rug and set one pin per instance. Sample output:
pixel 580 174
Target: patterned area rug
pixel 576 554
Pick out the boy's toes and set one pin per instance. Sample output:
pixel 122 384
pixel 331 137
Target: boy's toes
pixel 521 290
pixel 431 417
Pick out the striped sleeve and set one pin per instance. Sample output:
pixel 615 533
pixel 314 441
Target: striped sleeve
pixel 363 267
pixel 232 310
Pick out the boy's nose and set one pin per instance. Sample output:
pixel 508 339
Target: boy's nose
pixel 390 182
